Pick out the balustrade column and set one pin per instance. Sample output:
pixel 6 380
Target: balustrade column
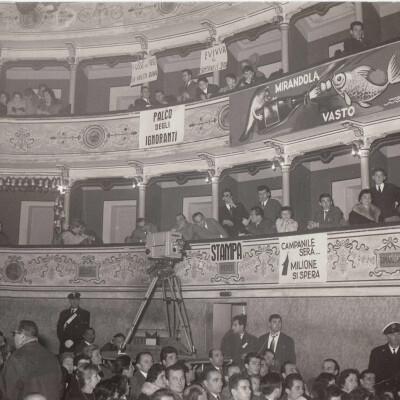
pixel 358 11
pixel 67 202
pixel 286 185
pixel 284 26
pixel 215 196
pixel 72 86
pixel 364 160
pixel 142 200
pixel 216 78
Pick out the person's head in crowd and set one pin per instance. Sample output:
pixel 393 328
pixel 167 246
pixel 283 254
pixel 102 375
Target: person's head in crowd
pixel 123 366
pixel 325 201
pixel 159 96
pixel 255 381
pixel 145 92
pixel 288 368
pixel 256 215
pixel 175 376
pixel 144 361
pixel 360 394
pixel 122 384
pixel 187 75
pixel 269 357
pixel 379 176
pixel 17 97
pixel 230 370
pixel 27 331
pixel 331 366
pixel 248 73
pixel 230 80
pixel 271 386
pixel 88 377
pixel 240 387
pixel 77 226
pixel 67 361
pixel 105 390
pixel 227 196
pixel 286 213
pixel 140 222
pixel 80 360
pixel 4 98
pixel 93 351
pixel 188 369
pixel 117 340
pixel 34 396
pixel 212 381
pixel 332 392
pixel 263 192
pixel 29 93
pixel 348 380
pixel 275 323
pixel 180 220
pixel 74 299
pixel 263 367
pixel 168 356
pixel 252 363
pixel 203 83
pixel 165 394
pixel 392 332
pixel 41 88
pixel 216 358
pixel 239 323
pixel 365 197
pixel 293 386
pixel 49 96
pixel 156 376
pixel 357 30
pixel 199 220
pixel 194 392
pixel 90 335
pixel 367 380
pixel 324 379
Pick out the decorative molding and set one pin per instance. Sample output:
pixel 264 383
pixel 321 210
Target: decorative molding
pixel 317 8
pixel 279 149
pixel 208 158
pixel 71 47
pixel 357 129
pixel 138 167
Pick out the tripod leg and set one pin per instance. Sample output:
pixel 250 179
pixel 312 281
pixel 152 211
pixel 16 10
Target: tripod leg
pixel 165 300
pixel 139 313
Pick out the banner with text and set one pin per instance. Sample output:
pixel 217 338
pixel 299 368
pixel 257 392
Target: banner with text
pixel 213 59
pixel 161 127
pixel 144 71
pixel 303 259
pixel 225 252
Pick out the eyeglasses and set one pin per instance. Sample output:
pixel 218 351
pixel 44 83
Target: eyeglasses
pixel 226 195
pixel 15 333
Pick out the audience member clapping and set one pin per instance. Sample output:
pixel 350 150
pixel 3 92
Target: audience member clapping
pixel 4 99
pixel 49 105
pixel 17 105
pixel 286 223
pixel 364 212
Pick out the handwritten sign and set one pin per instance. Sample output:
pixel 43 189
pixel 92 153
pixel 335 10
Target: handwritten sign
pixel 144 71
pixel 162 127
pixel 213 59
pixel 223 252
pixel 303 259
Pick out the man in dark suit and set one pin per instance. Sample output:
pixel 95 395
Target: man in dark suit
pixel 184 227
pixel 356 42
pixel 213 383
pixel 258 224
pixel 216 358
pixel 72 324
pixel 238 342
pixel 88 338
pixel 231 215
pixel 144 361
pixel 282 345
pixel 206 90
pixel 144 101
pixel 385 196
pixel 384 360
pixel 271 207
pixel 207 228
pixel 328 215
pixel 188 91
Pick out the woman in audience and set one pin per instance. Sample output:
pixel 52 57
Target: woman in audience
pixel 155 380
pixel 122 384
pixel 194 392
pixel 364 212
pixel 93 351
pixel 286 223
pixel 88 378
pixel 49 105
pixel 17 105
pixel 348 380
pixel 4 99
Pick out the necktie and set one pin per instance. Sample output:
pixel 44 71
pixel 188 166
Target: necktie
pixel 380 189
pixel 325 212
pixel 73 310
pixel 272 345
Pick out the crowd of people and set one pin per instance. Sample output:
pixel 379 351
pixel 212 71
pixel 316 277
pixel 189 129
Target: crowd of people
pixel 243 368
pixel 43 102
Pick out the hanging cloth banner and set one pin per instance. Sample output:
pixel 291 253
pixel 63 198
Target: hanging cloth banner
pixel 143 71
pixel 213 59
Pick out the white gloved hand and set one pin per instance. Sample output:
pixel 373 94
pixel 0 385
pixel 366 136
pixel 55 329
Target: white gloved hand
pixel 69 343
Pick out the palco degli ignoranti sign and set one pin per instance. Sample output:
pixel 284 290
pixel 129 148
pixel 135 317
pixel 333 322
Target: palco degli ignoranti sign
pixel 303 259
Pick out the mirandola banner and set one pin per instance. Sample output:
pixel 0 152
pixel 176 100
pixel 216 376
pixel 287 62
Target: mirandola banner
pixel 161 127
pixel 303 259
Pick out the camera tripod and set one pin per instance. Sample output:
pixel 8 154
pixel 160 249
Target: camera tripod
pixel 163 271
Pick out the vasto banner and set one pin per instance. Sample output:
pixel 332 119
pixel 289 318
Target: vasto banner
pixel 161 126
pixel 351 87
pixel 303 259
pixel 213 59
pixel 143 71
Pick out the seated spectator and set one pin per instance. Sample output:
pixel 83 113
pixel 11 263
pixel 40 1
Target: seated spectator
pixel 32 101
pixel 321 383
pixel 293 386
pixel 188 91
pixel 155 381
pixel 356 43
pixel 332 392
pixel 79 362
pixel 122 384
pixel 213 382
pixel 252 363
pixel 49 105
pixel 140 232
pixel 88 378
pixel 93 351
pixel 206 90
pixel 105 390
pixel 257 224
pixel 67 361
pixel 367 380
pixel 161 100
pixel 207 228
pixel 144 361
pixel 253 63
pixel 231 369
pixel 269 357
pixel 271 386
pixel 364 212
pixel 4 99
pixel 144 101
pixel 17 105
pixel 165 394
pixel 168 356
pixel 328 215
pixel 231 215
pixel 41 88
pixel 331 366
pixel 123 366
pixel 75 235
pixel 255 381
pixel 231 83
pixel 184 227
pixel 176 379
pixel 4 240
pixel 348 380
pixel 88 339
pixel 288 368
pixel 249 79
pixel 189 371
pixel 286 223
pixel 216 358
pixel 194 392
pixel 276 74
pixel 115 343
pixel 240 387
pixel 264 367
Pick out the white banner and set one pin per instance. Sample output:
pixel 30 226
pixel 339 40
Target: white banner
pixel 213 59
pixel 161 127
pixel 303 259
pixel 144 71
